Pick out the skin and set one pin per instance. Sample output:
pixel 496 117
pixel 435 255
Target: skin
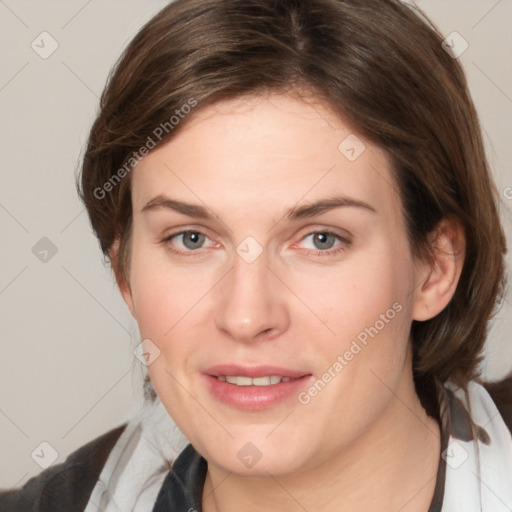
pixel 364 442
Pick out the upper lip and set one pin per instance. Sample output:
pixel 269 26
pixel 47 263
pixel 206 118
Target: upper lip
pixel 253 371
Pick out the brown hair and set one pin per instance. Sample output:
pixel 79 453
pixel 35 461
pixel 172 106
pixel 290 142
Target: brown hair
pixel 377 64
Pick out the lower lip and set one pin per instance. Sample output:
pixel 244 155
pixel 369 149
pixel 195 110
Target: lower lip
pixel 256 397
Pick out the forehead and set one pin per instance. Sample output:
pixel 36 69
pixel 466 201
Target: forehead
pixel 263 152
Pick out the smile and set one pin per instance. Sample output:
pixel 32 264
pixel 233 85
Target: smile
pixel 257 381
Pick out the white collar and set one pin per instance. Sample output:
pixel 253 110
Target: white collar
pixel 479 475
pixel 138 463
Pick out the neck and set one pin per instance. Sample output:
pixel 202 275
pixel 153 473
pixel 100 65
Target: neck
pixel 392 466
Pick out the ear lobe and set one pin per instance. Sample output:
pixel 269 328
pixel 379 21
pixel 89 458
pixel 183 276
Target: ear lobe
pixel 122 282
pixel 437 281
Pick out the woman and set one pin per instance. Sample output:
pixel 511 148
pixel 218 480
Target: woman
pixel 296 203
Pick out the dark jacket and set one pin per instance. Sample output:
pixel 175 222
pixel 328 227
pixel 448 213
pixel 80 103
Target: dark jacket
pixel 67 487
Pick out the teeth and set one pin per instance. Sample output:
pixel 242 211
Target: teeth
pixel 264 381
pixel 248 381
pixel 243 381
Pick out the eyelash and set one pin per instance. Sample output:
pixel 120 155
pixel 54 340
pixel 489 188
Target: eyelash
pixel 196 253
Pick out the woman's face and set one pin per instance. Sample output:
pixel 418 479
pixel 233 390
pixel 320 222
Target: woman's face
pixel 251 292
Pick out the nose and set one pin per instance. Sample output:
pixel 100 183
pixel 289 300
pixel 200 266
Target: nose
pixel 251 302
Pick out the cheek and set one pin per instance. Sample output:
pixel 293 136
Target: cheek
pixel 370 313
pixel 370 289
pixel 164 295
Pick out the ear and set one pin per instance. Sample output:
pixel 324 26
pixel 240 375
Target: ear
pixel 436 281
pixel 122 281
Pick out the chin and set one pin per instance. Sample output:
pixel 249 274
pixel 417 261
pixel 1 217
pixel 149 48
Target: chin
pixel 259 454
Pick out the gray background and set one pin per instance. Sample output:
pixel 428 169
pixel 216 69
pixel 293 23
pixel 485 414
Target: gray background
pixel 67 371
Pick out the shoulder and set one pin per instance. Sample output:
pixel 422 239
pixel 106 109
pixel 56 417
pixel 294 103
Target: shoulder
pixel 66 486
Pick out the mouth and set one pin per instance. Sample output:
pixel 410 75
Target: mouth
pixel 255 388
pixel 241 380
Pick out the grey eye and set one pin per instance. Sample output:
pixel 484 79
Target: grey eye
pixel 193 239
pixel 324 240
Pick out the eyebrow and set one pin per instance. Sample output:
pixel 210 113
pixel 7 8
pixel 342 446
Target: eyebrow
pixel 295 213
